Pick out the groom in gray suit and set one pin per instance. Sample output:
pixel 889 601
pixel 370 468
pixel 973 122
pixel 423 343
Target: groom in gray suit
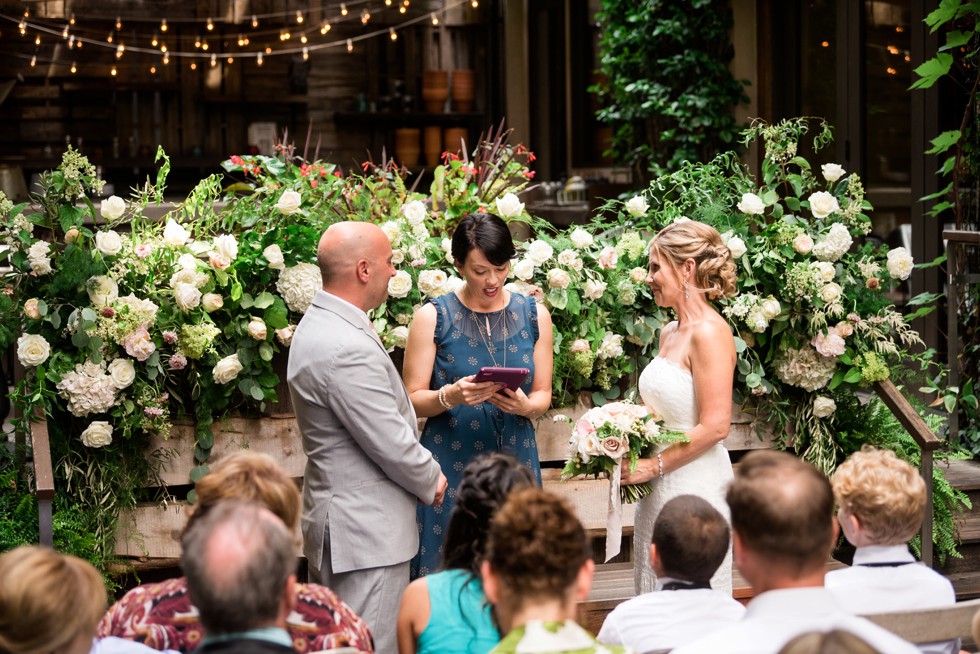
pixel 365 468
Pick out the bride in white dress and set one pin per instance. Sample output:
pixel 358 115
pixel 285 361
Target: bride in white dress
pixel 689 383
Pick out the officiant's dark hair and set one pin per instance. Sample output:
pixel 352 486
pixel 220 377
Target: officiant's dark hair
pixel 484 232
pixel 692 538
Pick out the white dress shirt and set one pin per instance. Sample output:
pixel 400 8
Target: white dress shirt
pixel 777 616
pixel 665 619
pixel 869 587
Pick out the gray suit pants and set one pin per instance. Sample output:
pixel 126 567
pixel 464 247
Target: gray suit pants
pixel 375 594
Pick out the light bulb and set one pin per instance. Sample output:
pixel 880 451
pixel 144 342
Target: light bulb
pixel 163 25
pixel 303 39
pixel 113 72
pixel 197 42
pixel 74 68
pixel 241 40
pixel 475 4
pixel 343 9
pixel 22 26
pixel 435 19
pixel 214 60
pixel 33 61
pixel 392 34
pixel 37 40
pixel 118 23
pixel 259 59
pixel 387 3
pixel 64 32
pixel 109 38
pixel 402 9
pixel 78 44
pixel 153 70
pixel 71 20
pixel 365 17
pixel 325 28
pixel 350 46
pixel 255 22
pixel 120 49
pixel 231 60
pixel 306 54
pixel 268 50
pixel 193 65
pixel 166 59
pixel 299 17
pixel 210 24
pixel 204 46
pixel 163 47
pixel 71 42
pixel 154 41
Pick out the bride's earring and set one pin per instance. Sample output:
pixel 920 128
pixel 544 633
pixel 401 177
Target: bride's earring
pixel 687 292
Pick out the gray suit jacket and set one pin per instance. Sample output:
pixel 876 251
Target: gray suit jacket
pixel 366 468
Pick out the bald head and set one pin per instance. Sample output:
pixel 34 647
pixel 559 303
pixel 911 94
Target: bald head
pixel 355 263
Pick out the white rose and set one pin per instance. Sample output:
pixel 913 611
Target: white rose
pixel 289 202
pixel 226 369
pixel 558 278
pixel 400 285
pixel 399 336
pixel 415 212
pixel 637 206
pixel 588 447
pixel 108 243
pixel 581 238
pixel 751 204
pixel 174 233
pixel 611 346
pixel 32 350
pixel 770 307
pixel 638 275
pixel 219 261
pixel 568 258
pixel 825 270
pixel 257 329
pixel 509 206
pixel 32 309
pixel 899 263
pixel 447 247
pixel 524 269
pixel 285 335
pixel 41 266
pixel 187 261
pixel 122 372
pixel 737 247
pixel 97 434
pixel 823 406
pixel 756 320
pixel 397 256
pixel 454 284
pixel 832 172
pixel 433 282
pixel 102 290
pixel 393 232
pixel 822 204
pixel 803 244
pixel 273 254
pixel 212 302
pixel 186 296
pixel 226 246
pixel 113 208
pixel 594 289
pixel 539 252
pixel 830 293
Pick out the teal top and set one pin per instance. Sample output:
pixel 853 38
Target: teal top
pixel 459 615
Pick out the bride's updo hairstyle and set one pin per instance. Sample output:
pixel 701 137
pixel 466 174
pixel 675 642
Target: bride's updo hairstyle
pixel 715 273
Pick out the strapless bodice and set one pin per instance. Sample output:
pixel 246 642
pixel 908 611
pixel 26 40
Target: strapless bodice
pixel 668 390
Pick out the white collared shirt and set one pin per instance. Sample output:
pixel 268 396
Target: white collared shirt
pixel 665 619
pixel 777 616
pixel 864 589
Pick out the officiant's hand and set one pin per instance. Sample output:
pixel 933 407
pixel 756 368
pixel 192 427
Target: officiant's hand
pixel 515 402
pixel 646 469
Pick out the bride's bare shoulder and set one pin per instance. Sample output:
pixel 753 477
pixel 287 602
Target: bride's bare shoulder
pixel 711 328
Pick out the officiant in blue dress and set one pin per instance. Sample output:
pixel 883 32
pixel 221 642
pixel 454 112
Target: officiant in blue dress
pixel 451 338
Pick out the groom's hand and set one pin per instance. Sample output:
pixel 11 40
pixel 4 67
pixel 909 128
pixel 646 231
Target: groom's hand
pixel 440 490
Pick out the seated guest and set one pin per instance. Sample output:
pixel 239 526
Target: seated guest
pixel 881 501
pixel 239 560
pixel 161 615
pixel 783 532
pixel 828 642
pixel 690 540
pixel 536 568
pixel 447 611
pixel 50 603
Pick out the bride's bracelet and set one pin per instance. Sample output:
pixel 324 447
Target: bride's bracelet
pixel 660 463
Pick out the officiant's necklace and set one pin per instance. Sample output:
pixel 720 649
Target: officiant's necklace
pixel 489 334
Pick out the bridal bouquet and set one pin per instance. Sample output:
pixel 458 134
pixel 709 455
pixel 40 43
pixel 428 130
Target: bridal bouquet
pixel 606 434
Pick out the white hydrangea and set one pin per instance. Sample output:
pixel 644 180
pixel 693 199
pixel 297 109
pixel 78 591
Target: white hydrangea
pixel 899 263
pixel 835 244
pixel 297 286
pixel 739 306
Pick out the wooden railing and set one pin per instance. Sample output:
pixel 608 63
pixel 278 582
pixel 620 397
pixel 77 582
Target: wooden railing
pixel 956 240
pixel 43 477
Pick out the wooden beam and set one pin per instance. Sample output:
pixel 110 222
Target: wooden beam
pixel 907 415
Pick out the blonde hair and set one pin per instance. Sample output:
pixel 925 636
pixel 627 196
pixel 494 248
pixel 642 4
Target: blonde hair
pixel 886 494
pixel 715 273
pixel 47 600
pixel 253 476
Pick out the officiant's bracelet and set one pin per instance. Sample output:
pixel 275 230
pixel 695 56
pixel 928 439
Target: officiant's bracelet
pixel 441 395
pixel 660 463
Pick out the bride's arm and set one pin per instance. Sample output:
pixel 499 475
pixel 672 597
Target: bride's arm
pixel 712 358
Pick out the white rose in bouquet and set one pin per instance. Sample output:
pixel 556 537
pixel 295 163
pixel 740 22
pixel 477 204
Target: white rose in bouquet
pixel 432 283
pixel 400 285
pixel 227 246
pixel 822 204
pixel 594 289
pixel 539 252
pixel 186 296
pixel 32 350
pixel 297 286
pixel 289 202
pixel 97 434
pixel 509 206
pixel 899 263
pixel 524 269
pixel 581 238
pixel 830 292
pixel 399 336
pixel 608 258
pixel 257 329
pixel 737 247
pixel 558 278
pixel 122 372
pixel 588 446
pixel 803 243
pixel 832 172
pixel 414 212
pixel 273 254
pixel 113 208
pixel 102 290
pixel 174 234
pixel 611 346
pixel 825 270
pixel 108 243
pixel 226 369
pixel 187 262
pixel 569 259
pixel 637 206
pixel 212 302
pixel 823 406
pixel 615 447
pixel 751 204
pixel 218 261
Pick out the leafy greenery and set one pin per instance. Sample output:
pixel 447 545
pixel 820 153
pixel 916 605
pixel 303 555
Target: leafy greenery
pixel 667 90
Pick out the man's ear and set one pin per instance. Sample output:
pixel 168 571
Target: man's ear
pixel 583 582
pixel 363 270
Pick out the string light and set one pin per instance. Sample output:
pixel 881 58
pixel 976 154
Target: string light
pixel 475 4
pixel 22 26
pixel 34 61
pixel 155 42
pixel 120 50
pixel 325 28
pixel 166 59
pixel 435 19
pixel 231 60
pixel 78 44
pixel 299 17
pixel 210 25
pixel 255 22
pixel 37 40
pixel 303 39
pixel 153 70
pixel 350 46
pixel 163 25
pixel 214 60
pixel 71 20
pixel 241 40
pixel 403 9
pixel 365 17
pixel 259 60
pixel 387 3
pixel 118 23
pixel 163 47
pixel 74 68
pixel 64 32
pixel 204 46
pixel 113 72
pixel 392 34
pixel 268 50
pixel 109 38
pixel 71 42
pixel 343 9
pixel 197 42
pixel 193 65
pixel 306 54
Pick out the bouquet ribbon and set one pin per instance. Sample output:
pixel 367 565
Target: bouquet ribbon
pixel 614 515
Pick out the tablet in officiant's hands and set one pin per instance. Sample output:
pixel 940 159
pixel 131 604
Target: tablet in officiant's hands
pixel 511 378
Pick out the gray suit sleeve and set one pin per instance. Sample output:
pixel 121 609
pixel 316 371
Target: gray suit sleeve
pixel 361 396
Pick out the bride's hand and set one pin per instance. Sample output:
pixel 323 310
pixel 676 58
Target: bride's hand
pixel 646 469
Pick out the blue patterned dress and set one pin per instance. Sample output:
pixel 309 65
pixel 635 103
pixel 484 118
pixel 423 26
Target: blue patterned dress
pixel 457 436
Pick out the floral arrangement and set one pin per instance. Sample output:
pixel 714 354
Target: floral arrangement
pixel 606 434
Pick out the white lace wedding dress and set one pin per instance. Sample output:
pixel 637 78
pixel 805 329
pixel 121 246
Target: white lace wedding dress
pixel 668 390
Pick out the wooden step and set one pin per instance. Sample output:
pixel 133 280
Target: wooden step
pixel 963 475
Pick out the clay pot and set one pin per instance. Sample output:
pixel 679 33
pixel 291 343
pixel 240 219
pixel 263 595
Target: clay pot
pixel 435 90
pixel 432 145
pixel 455 136
pixel 464 90
pixel 407 146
